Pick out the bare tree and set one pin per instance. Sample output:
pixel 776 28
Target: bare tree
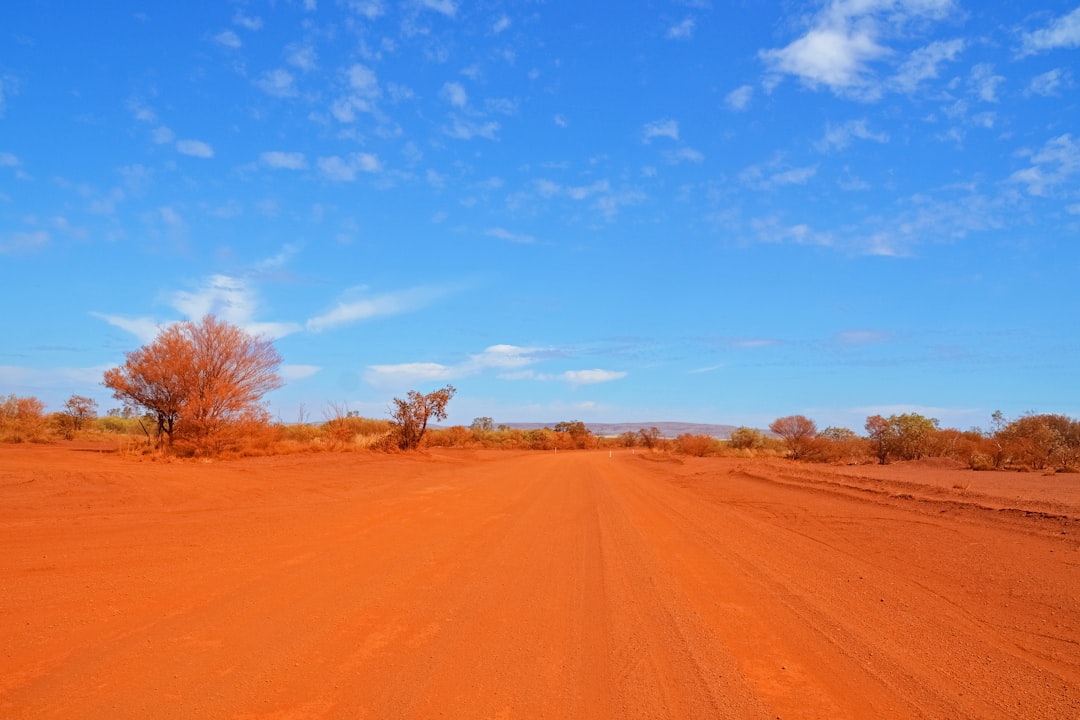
pixel 650 438
pixel 410 416
pixel 798 432
pixel 79 409
pixel 200 377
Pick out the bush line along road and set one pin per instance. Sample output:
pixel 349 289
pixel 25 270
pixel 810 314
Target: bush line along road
pixel 480 584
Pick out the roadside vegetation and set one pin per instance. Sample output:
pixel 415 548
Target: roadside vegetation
pixel 197 389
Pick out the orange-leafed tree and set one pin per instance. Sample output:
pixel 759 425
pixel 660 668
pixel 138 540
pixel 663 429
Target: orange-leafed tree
pixel 798 432
pixel 409 417
pixel 197 379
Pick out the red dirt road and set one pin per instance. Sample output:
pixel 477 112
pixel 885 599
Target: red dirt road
pixel 529 585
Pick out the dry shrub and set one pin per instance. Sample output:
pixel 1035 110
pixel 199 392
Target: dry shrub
pixel 350 432
pixel 22 419
pixel 456 436
pixel 697 445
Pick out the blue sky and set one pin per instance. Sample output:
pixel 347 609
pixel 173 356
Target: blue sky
pixel 690 210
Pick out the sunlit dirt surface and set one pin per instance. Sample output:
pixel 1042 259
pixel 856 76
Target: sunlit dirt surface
pixel 463 584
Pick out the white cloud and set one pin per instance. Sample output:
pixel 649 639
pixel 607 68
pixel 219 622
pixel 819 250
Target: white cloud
pixel 363 81
pixel 228 39
pixel 246 21
pixel 466 129
pixel 1050 83
pixel 505 356
pixel 364 92
pixel 739 98
pixel 1057 162
pixel 924 64
pixel 510 362
pixel 231 299
pixel 454 93
pixel 406 373
pixel 765 178
pixel 686 154
pixel 838 137
pixel 844 40
pixel 681 30
pixel 283 160
pixel 143 328
pixel 8 160
pixel 194 148
pixel 279 83
pixel 345 170
pixel 8 86
pixel 503 234
pixel 370 9
pixel 661 129
pixel 771 230
pixel 162 135
pixel 369 308
pixel 837 57
pixel 303 57
pixel 1063 32
pixel 501 24
pixel 984 82
pixel 23 241
pixel 446 7
pixel 35 380
pixel 590 377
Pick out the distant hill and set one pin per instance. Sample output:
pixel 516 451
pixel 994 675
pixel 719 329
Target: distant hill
pixel 667 429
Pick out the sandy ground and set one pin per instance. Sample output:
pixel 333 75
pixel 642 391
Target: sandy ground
pixel 533 585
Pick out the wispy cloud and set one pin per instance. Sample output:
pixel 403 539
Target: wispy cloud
pixel 346 169
pixel 984 83
pixel 194 148
pixel 1057 162
pixel 838 137
pixel 772 230
pixel 503 234
pixel 232 299
pixel 1062 32
pixel 228 39
pixel 23 241
pixel 739 98
pixel 591 377
pixel 9 85
pixel 362 95
pixel 278 83
pixel 469 128
pixel 660 129
pixel 508 362
pixel 248 22
pixel 682 30
pixel 454 93
pixel 845 39
pixel 389 304
pixel 925 64
pixel 283 160
pixel 446 7
pixel 684 154
pixel 144 328
pixel 51 378
pixel 770 175
pixel 1050 83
